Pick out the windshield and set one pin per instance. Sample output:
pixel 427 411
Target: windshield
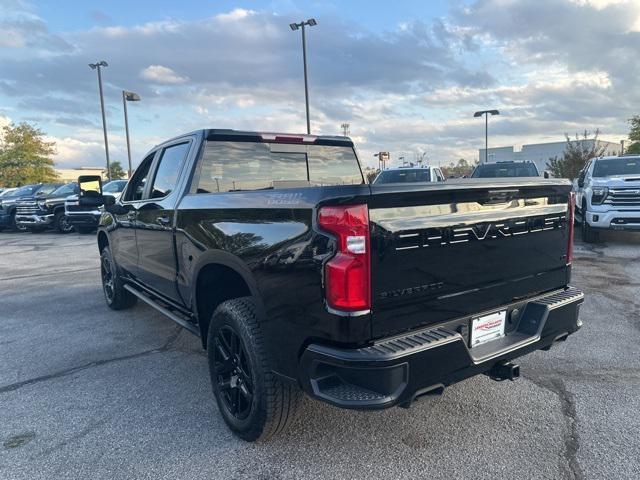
pixel 26 190
pixel 497 170
pixel 67 189
pixel 48 188
pixel 408 175
pixel 114 187
pixel 616 166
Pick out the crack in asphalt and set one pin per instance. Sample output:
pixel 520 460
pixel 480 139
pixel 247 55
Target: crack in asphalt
pixel 69 371
pixel 571 468
pixel 35 275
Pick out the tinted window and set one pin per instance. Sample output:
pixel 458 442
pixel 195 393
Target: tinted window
pixel 26 190
pixel 233 166
pixel 616 166
pixel 408 175
pixel 47 188
pixel 139 179
pixel 68 189
pixel 116 186
pixel 498 170
pixel 168 170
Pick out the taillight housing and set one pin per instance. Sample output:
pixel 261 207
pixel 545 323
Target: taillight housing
pixel 347 275
pixel 570 221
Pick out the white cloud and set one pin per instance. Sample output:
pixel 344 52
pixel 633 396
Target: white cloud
pixel 162 75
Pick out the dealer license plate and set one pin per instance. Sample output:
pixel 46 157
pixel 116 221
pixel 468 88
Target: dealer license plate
pixel 487 328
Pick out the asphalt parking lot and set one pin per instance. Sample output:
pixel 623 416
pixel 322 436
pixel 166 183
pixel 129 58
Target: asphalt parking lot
pixel 86 392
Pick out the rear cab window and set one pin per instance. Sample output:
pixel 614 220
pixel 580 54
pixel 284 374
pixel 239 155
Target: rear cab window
pixel 231 166
pixel 505 170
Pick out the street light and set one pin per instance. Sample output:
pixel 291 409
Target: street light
pixel 96 66
pixel 486 114
pixel 295 26
pixel 128 97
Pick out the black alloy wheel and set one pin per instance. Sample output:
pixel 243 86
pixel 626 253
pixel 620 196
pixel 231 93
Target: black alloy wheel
pixel 233 373
pixel 62 223
pixel 108 279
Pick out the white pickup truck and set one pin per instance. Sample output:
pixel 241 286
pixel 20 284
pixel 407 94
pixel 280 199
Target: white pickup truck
pixel 608 195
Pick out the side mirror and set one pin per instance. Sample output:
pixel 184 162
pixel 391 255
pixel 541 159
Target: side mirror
pixel 90 187
pixel 581 182
pixel 546 174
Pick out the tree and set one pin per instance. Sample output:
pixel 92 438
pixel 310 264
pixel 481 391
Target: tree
pixel 25 156
pixel 576 154
pixel 459 169
pixel 371 173
pixel 634 135
pixel 116 171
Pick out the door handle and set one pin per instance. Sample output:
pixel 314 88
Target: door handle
pixel 131 215
pixel 164 221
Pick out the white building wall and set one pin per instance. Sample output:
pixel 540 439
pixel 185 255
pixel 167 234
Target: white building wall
pixel 540 153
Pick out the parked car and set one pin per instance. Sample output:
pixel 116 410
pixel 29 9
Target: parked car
pixel 41 212
pixel 84 218
pixel 608 195
pixel 8 203
pixel 409 175
pixel 299 276
pixel 507 169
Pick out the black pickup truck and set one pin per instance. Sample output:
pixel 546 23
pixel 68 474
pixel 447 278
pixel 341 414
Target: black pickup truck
pixel 38 213
pixel 297 275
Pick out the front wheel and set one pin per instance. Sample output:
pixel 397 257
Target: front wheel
pixel 117 297
pixel 589 235
pixel 254 403
pixel 61 223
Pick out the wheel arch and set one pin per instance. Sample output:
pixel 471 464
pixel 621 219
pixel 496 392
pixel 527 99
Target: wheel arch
pixel 218 277
pixel 103 240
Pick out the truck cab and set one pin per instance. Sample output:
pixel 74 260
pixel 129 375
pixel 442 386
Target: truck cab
pixel 608 195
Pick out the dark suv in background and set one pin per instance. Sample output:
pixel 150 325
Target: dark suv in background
pixel 507 169
pixel 41 212
pixel 8 204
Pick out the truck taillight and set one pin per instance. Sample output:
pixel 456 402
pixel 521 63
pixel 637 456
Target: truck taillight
pixel 347 274
pixel 570 220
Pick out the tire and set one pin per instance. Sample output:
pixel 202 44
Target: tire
pixel 85 230
pixel 240 373
pixel 15 226
pixel 116 296
pixel 589 235
pixel 61 223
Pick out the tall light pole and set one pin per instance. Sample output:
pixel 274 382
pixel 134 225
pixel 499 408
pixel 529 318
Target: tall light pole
pixel 128 97
pixel 345 129
pixel 97 66
pixel 486 114
pixel 295 26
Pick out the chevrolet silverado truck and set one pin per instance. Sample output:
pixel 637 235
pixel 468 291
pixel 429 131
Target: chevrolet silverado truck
pixel 85 219
pixel 299 276
pixel 39 213
pixel 8 204
pixel 608 196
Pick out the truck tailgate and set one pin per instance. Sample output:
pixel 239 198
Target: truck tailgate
pixel 449 250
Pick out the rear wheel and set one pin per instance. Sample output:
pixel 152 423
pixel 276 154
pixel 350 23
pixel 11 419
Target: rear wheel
pixel 117 297
pixel 254 403
pixel 61 223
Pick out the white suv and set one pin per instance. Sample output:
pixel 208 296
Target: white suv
pixel 608 195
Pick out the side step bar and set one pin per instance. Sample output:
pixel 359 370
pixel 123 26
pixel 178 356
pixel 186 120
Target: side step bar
pixel 165 311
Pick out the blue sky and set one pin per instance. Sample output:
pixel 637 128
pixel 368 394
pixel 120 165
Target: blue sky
pixel 406 75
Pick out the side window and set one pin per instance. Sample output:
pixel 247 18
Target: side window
pixel 135 189
pixel 169 167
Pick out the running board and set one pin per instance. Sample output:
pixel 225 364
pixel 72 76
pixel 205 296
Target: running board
pixel 165 311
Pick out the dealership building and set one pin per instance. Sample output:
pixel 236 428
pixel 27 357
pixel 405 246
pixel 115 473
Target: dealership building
pixel 540 153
